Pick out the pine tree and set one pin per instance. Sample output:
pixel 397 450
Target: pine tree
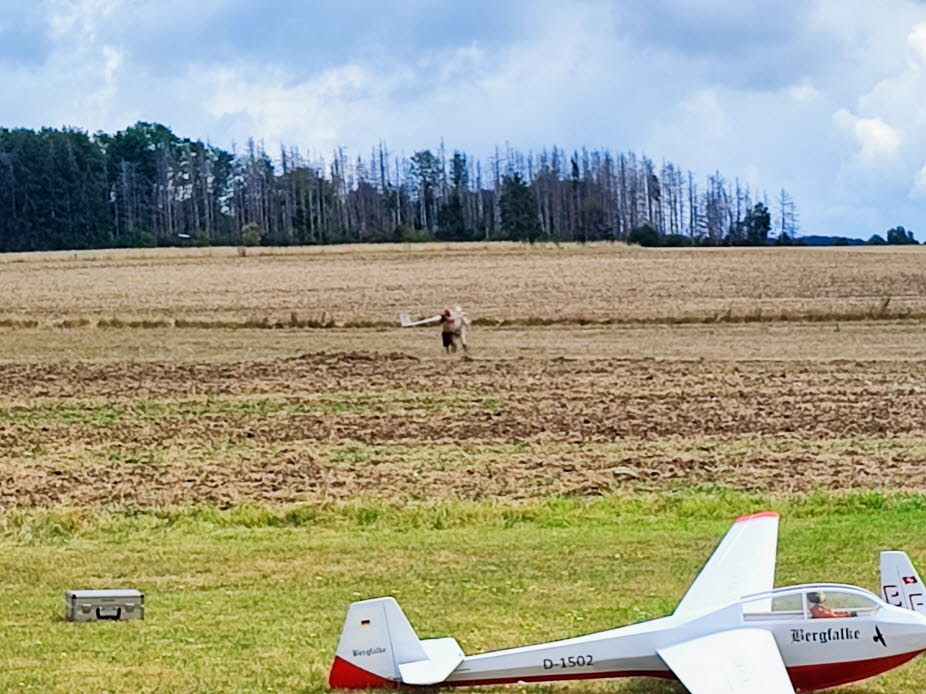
pixel 518 210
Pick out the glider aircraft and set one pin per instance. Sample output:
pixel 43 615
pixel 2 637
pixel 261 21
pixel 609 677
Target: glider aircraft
pixel 731 632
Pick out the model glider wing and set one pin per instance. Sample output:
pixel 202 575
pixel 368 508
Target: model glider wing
pixel 407 322
pixel 742 564
pixel 730 662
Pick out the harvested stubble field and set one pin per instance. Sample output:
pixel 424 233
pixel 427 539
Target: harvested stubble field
pixel 499 283
pixel 254 481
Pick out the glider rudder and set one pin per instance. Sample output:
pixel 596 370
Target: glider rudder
pixel 901 585
pixel 376 636
pixel 379 649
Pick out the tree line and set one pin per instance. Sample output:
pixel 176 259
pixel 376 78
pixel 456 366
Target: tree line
pixel 145 186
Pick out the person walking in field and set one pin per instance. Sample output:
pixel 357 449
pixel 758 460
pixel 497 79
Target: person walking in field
pixel 448 332
pixel 454 327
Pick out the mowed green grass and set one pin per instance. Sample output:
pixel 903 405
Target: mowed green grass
pixel 251 599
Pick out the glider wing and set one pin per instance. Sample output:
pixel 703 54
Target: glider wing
pixel 730 662
pixel 407 322
pixel 742 564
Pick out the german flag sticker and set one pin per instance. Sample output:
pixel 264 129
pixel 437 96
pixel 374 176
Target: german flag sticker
pixel 364 622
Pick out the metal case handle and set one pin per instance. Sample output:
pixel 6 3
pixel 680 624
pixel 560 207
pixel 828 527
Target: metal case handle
pixel 114 617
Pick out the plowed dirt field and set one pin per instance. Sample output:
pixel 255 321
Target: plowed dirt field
pixel 338 426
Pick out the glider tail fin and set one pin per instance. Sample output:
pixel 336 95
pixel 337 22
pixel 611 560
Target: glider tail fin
pixel 379 649
pixel 900 583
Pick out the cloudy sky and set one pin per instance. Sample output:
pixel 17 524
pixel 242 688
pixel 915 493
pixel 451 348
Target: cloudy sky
pixel 824 97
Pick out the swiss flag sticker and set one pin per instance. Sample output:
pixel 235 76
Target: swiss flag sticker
pixel 908 580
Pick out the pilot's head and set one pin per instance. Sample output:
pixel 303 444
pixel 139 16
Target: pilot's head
pixel 446 313
pixel 816 598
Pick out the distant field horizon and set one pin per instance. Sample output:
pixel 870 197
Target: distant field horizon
pixel 498 284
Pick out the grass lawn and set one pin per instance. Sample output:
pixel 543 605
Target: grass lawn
pixel 251 599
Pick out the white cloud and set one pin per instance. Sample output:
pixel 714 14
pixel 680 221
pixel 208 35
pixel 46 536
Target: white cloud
pixel 917 43
pixel 877 141
pixel 707 113
pixel 280 110
pixel 461 63
pixel 887 126
pixel 79 21
pixel 804 92
pixel 918 191
pixel 99 102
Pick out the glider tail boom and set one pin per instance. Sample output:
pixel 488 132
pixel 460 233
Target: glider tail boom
pixel 901 585
pixel 380 649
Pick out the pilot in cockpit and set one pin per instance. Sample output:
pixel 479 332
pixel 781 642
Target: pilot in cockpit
pixel 818 610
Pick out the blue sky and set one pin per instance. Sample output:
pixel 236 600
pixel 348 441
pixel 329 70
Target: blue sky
pixel 824 97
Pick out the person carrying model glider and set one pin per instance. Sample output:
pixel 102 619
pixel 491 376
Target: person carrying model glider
pixel 454 327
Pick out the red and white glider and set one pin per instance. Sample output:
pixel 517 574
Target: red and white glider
pixel 732 632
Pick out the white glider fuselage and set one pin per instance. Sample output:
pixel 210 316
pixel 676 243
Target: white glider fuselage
pixel 817 653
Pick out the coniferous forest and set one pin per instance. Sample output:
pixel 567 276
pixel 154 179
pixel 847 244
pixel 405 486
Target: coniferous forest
pixel 145 186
